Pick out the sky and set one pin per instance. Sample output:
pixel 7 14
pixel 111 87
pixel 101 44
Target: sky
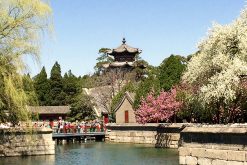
pixel 158 27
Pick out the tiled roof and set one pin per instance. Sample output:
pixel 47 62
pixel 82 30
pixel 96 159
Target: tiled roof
pixel 124 48
pixel 129 96
pixel 49 109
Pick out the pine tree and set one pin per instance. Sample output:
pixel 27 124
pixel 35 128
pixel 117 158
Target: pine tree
pixel 57 94
pixel 42 88
pixel 71 87
pixel 28 86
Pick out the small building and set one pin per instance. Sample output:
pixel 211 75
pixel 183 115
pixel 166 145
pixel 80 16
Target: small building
pixel 50 112
pixel 124 110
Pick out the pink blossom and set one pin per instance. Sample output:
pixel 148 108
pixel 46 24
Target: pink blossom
pixel 160 108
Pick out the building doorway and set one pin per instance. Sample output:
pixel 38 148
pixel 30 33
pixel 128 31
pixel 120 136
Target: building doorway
pixel 126 116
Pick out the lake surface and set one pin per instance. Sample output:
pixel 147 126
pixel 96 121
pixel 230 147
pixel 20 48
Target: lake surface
pixel 100 153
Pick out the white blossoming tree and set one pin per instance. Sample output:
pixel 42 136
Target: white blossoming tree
pixel 220 64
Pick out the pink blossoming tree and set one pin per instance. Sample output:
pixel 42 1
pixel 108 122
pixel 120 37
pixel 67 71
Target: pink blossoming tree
pixel 160 108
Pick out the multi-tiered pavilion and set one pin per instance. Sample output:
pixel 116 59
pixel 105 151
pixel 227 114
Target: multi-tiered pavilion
pixel 124 57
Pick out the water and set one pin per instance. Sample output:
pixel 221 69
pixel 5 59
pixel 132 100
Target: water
pixel 100 153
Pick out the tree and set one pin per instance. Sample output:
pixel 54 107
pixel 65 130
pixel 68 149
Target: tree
pixel 42 88
pixel 28 86
pixel 130 87
pixel 170 71
pixel 81 108
pixel 57 94
pixel 71 87
pixel 158 109
pixel 219 66
pixel 21 24
pixel 151 83
pixel 102 59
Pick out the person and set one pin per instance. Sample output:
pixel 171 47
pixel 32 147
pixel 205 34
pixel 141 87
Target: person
pixel 78 128
pixel 58 127
pixel 83 126
pixel 35 125
pixel 65 127
pixel 98 126
pixel 51 124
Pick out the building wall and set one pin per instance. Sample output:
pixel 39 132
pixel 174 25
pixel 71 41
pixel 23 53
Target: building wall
pixel 19 142
pixel 120 114
pixel 213 145
pixel 163 136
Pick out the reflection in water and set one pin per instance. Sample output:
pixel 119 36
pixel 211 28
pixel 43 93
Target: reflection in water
pixel 29 160
pixel 100 153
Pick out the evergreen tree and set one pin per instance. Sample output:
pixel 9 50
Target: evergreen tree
pixel 28 86
pixel 71 87
pixel 102 59
pixel 170 71
pixel 42 88
pixel 81 108
pixel 57 94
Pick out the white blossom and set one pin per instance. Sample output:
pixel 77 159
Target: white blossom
pixel 220 61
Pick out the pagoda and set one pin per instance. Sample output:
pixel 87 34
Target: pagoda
pixel 123 56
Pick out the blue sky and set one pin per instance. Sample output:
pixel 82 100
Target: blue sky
pixel 158 27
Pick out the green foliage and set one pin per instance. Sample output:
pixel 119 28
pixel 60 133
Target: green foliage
pixel 82 108
pixel 130 87
pixel 88 81
pixel 34 116
pixel 144 87
pixel 102 59
pixel 65 90
pixel 28 86
pixel 140 70
pixel 170 71
pixel 71 87
pixel 13 99
pixel 42 87
pixel 21 23
pixel 57 94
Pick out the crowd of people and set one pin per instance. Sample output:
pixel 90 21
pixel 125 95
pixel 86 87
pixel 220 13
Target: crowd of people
pixel 62 126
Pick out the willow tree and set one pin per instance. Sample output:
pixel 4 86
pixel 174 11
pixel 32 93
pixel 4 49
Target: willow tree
pixel 22 22
pixel 219 67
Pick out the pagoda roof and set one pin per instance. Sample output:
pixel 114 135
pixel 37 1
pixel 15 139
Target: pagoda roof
pixel 124 48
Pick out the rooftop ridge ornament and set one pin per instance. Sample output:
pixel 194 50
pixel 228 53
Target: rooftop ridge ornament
pixel 124 41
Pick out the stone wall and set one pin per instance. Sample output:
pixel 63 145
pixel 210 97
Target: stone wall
pixel 160 135
pixel 213 145
pixel 23 142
